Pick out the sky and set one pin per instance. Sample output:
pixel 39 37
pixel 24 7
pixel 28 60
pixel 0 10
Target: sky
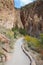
pixel 19 3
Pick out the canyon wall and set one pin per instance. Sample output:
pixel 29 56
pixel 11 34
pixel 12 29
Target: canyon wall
pixel 7 13
pixel 29 17
pixel 32 18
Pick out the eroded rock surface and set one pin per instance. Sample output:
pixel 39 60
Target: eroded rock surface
pixel 32 18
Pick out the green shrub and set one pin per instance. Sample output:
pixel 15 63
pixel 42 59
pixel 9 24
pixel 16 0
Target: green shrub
pixel 15 30
pixel 22 31
pixel 32 41
pixel 10 34
pixel 41 38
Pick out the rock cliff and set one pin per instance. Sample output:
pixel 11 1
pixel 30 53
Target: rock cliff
pixel 9 14
pixel 32 18
pixel 29 17
pixel 6 4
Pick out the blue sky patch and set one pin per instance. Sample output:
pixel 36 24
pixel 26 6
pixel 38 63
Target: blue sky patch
pixel 19 3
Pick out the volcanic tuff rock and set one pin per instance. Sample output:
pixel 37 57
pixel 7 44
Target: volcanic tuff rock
pixel 32 17
pixel 8 14
pixel 6 4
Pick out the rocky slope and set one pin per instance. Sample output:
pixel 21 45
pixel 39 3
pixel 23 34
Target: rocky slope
pixel 32 18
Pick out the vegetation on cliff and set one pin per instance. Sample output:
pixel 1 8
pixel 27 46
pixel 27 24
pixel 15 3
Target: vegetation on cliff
pixel 6 42
pixel 35 43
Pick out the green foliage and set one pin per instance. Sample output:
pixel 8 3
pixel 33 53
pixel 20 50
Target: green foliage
pixel 18 31
pixel 22 31
pixel 41 38
pixel 9 35
pixel 15 30
pixel 32 41
pixel 35 42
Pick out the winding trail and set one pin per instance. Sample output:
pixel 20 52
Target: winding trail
pixel 18 57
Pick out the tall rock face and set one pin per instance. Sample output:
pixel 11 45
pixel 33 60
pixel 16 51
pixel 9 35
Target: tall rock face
pixel 18 22
pixel 6 4
pixel 32 18
pixel 7 13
